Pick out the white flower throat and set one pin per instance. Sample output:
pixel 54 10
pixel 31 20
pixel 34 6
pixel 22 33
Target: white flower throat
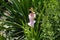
pixel 31 19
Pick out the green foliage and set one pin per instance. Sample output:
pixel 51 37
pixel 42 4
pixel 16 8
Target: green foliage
pixel 2 38
pixel 47 26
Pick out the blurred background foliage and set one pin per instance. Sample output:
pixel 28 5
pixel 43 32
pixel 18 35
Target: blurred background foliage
pixel 14 20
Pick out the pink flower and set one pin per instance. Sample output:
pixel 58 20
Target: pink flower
pixel 31 19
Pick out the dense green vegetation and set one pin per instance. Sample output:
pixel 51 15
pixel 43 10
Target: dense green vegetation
pixel 47 26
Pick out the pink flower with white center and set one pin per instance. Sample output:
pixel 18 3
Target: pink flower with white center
pixel 31 19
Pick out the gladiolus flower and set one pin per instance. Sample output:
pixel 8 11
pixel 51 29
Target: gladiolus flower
pixel 31 19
